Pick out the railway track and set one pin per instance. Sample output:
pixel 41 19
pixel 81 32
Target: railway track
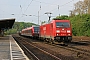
pixel 36 52
pixel 80 52
pixel 77 50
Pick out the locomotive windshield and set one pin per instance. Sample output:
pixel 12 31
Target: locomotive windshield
pixel 63 24
pixel 36 29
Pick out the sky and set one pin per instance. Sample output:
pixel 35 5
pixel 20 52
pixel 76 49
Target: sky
pixel 29 10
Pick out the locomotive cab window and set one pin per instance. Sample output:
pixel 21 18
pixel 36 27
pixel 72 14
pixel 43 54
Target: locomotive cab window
pixel 63 24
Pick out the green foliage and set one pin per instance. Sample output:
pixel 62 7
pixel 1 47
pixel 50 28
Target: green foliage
pixel 63 17
pixel 43 22
pixel 18 26
pixel 81 25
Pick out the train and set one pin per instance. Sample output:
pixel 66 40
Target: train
pixel 54 31
pixel 31 32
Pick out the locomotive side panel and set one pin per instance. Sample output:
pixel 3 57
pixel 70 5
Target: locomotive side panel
pixel 47 31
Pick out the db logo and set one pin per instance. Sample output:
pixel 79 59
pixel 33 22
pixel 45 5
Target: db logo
pixel 44 28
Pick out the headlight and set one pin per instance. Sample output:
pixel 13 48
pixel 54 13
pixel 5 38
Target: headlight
pixel 68 31
pixel 58 31
pixel 69 34
pixel 57 34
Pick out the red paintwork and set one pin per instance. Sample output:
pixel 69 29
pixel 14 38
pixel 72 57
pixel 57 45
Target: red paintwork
pixel 49 30
pixel 26 31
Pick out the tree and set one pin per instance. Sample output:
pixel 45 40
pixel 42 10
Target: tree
pixel 43 22
pixel 63 17
pixel 80 25
pixel 81 7
pixel 87 4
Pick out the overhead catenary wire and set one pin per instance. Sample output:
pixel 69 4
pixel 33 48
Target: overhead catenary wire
pixel 28 5
pixel 63 5
pixel 44 2
pixel 25 9
pixel 49 4
pixel 57 5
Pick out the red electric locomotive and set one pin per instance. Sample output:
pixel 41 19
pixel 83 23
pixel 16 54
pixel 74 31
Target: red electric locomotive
pixel 31 31
pixel 56 30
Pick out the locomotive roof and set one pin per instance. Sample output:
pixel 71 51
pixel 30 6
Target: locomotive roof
pixel 61 20
pixel 57 21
